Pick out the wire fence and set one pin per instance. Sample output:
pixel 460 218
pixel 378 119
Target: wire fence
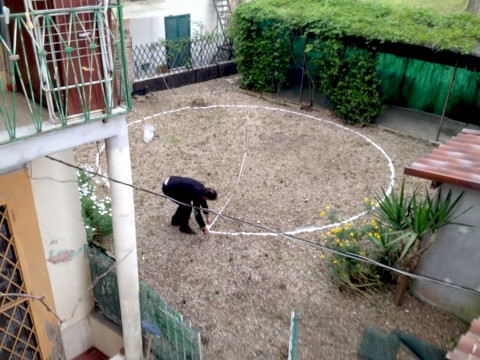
pixel 166 334
pixel 166 57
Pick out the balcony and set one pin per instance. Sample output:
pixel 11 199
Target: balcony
pixel 60 67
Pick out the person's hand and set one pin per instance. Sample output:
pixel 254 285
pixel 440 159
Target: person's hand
pixel 207 217
pixel 205 230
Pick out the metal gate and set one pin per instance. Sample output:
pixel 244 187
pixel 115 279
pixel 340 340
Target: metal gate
pixel 18 338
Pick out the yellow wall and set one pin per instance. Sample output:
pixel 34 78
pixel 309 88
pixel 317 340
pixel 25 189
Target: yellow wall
pixel 16 194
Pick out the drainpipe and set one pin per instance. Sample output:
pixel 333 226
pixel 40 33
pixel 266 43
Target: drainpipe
pixel 124 235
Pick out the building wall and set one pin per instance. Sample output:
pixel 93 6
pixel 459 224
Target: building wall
pixel 453 258
pixel 146 18
pixel 20 228
pixel 61 226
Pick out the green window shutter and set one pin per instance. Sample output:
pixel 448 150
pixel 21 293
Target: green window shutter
pixel 177 27
pixel 171 28
pixel 177 32
pixel 183 26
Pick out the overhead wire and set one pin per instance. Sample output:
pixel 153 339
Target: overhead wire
pixel 288 236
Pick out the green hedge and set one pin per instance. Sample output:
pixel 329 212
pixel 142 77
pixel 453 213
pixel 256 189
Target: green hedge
pixel 261 50
pixel 348 77
pixel 267 48
pixel 457 32
pixel 272 37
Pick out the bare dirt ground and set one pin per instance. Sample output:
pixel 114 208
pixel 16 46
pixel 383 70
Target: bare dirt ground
pixel 276 166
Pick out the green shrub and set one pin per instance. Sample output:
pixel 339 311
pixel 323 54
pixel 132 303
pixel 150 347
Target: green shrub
pixel 262 50
pixel 391 236
pixel 413 219
pixel 349 80
pixel 96 213
pixel 385 21
pixel 346 271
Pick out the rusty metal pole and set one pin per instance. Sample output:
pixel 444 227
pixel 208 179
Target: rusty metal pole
pixel 474 6
pixel 446 101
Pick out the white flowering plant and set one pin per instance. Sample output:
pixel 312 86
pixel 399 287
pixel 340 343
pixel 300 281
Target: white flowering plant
pixel 96 212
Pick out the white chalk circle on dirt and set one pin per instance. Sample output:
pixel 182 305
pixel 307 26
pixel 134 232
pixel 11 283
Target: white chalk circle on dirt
pixel 297 231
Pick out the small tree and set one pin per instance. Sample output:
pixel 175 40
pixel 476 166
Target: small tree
pixel 412 220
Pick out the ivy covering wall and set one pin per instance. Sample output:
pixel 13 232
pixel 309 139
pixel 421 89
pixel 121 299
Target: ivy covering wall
pixel 274 37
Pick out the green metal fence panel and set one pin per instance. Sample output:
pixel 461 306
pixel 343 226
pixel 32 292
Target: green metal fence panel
pixel 166 334
pixel 293 343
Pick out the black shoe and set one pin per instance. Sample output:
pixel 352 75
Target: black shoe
pixel 187 230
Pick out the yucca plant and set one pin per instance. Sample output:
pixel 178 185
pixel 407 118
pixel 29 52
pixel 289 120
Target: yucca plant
pixel 413 218
pixel 394 209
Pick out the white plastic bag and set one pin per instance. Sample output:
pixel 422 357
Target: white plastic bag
pixel 148 133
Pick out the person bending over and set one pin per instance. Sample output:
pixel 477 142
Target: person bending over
pixel 189 191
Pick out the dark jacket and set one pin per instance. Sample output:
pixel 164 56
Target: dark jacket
pixel 189 191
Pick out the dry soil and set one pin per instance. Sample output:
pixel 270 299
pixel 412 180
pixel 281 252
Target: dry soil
pixel 274 166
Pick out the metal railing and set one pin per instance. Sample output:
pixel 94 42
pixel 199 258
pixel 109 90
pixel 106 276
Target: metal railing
pixel 166 334
pixel 64 65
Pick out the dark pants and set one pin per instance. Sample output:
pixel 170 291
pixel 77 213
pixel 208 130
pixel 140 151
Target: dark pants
pixel 182 215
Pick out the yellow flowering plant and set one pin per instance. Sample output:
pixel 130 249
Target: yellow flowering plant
pixel 397 223
pixel 350 239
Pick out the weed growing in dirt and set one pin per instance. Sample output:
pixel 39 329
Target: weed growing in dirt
pixel 350 239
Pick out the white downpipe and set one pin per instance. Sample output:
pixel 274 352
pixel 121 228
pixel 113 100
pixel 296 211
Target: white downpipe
pixel 124 235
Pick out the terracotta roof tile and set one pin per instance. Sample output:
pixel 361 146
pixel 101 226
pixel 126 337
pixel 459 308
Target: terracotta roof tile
pixel 475 327
pixel 456 162
pixel 468 347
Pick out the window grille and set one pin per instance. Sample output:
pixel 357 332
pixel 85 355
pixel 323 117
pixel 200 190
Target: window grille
pixel 18 338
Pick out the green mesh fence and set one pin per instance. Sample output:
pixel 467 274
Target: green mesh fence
pixel 415 84
pixel 424 86
pixel 166 334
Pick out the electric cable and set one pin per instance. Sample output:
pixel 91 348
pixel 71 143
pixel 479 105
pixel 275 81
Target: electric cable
pixel 289 236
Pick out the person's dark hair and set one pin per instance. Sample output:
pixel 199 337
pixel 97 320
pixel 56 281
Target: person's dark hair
pixel 210 194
